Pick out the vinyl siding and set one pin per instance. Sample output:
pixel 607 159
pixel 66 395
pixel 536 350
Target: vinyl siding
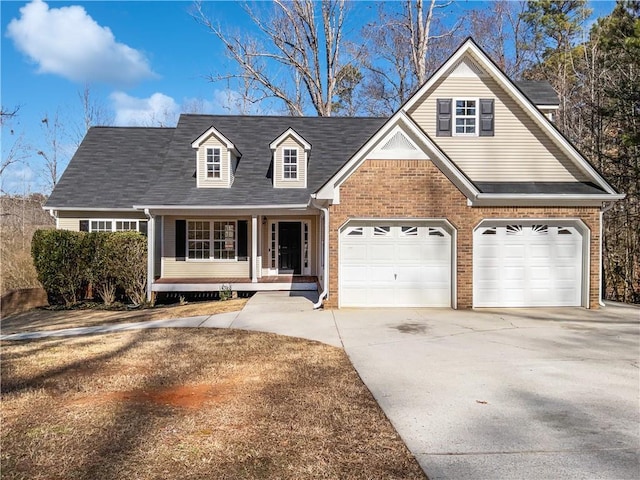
pixel 70 220
pixel 519 151
pixel 278 176
pixel 171 268
pixel 224 180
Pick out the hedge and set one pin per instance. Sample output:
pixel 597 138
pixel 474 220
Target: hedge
pixel 69 264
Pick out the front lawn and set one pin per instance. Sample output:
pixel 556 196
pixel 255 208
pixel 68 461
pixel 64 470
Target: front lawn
pixel 46 319
pixel 191 403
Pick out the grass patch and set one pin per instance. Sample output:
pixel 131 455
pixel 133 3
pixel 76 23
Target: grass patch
pixel 45 319
pixel 188 404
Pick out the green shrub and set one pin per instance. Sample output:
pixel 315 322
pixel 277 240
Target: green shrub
pixel 60 260
pixel 68 262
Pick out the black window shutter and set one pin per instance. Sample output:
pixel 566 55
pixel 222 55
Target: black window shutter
pixel 243 233
pixel 84 225
pixel 181 239
pixel 486 117
pixel 443 122
pixel 143 227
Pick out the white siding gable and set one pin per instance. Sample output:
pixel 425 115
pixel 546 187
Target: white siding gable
pixel 283 149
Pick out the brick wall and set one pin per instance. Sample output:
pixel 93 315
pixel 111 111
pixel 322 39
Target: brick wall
pixel 418 189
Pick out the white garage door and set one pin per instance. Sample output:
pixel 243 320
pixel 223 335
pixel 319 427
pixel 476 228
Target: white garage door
pixel 395 265
pixel 527 266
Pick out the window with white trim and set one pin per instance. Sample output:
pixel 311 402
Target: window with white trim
pixel 224 240
pixel 101 226
pixel 126 225
pixel 213 163
pixel 198 240
pixel 465 116
pixel 290 163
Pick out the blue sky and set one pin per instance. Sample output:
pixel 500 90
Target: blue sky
pixel 145 62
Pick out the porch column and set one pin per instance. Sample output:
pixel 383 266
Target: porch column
pixel 254 249
pixel 151 231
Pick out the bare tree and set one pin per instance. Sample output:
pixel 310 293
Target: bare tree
pixel 16 149
pixel 94 113
pixel 502 32
pixel 300 60
pixel 404 47
pixel 53 151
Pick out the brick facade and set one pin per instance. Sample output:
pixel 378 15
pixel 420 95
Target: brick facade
pixel 418 189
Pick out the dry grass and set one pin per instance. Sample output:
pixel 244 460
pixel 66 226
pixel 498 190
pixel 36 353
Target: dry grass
pixel 54 320
pixel 191 404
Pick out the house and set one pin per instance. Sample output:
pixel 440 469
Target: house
pixel 468 196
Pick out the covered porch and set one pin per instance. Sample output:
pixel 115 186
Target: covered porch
pixel 240 249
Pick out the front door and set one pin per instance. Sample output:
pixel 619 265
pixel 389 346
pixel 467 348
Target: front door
pixel 289 243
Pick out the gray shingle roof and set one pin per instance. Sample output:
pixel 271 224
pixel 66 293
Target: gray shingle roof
pixel 569 188
pixel 334 140
pixel 539 92
pixel 112 168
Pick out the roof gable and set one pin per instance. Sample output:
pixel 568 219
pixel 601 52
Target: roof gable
pixel 290 132
pixel 474 58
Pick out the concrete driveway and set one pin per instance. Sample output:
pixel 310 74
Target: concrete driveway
pixel 513 394
pixel 502 394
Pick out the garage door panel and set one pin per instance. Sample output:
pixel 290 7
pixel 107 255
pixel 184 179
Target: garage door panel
pixel 400 268
pixel 535 266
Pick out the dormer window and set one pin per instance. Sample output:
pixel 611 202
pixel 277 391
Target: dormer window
pixel 213 163
pixel 290 160
pixel 290 156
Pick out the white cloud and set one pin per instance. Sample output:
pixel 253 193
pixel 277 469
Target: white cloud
pixel 156 110
pixel 66 41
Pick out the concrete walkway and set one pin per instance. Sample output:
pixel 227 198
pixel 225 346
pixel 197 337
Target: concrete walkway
pixel 502 394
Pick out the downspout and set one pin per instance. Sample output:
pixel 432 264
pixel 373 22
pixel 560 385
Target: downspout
pixel 605 208
pixel 325 276
pixel 150 252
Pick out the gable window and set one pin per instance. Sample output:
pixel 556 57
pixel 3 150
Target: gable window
pixel 199 239
pixel 466 117
pixel 213 163
pixel 290 156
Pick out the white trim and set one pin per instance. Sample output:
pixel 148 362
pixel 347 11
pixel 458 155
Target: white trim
pixel 297 163
pixel 476 116
pixel 541 199
pixel 86 209
pixel 212 241
pixel 212 131
pixel 290 132
pixel 303 206
pixel 254 248
pixel 213 163
pixel 575 222
pixel 470 47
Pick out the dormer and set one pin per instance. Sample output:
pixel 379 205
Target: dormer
pixel 290 159
pixel 216 160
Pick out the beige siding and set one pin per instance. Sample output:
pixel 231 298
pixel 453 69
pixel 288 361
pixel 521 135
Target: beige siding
pixel 70 220
pixel 224 180
pixel 520 149
pixel 278 172
pixel 171 268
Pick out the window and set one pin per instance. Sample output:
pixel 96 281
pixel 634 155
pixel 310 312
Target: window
pixel 199 236
pixel 466 117
pixel 290 156
pixel 101 226
pixel 213 163
pixel 126 225
pixel 224 240
pixel 381 231
pixel 408 231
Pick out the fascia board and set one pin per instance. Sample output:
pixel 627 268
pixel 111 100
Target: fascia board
pixel 89 209
pixel 212 131
pixel 535 200
pixel 290 131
